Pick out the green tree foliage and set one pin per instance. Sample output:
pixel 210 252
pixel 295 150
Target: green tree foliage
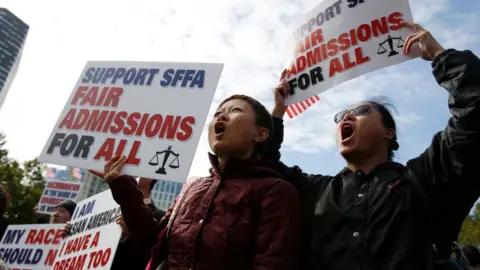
pixel 24 184
pixel 470 233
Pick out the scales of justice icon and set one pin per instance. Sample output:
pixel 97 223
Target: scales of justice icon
pixel 174 164
pixel 389 40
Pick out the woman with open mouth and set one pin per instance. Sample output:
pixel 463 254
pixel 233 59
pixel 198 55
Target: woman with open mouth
pixel 243 216
pixel 379 214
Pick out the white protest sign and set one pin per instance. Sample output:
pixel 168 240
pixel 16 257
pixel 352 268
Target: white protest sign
pixel 32 246
pixel 94 235
pixel 341 40
pixel 56 192
pixel 153 113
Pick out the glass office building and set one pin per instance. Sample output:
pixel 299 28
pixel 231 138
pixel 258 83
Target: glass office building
pixel 13 32
pixel 164 193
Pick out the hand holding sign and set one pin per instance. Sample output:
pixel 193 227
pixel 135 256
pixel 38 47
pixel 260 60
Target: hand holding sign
pixel 281 91
pixel 125 232
pixel 113 169
pixel 429 46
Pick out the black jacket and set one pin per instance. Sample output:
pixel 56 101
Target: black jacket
pixel 132 254
pixel 390 218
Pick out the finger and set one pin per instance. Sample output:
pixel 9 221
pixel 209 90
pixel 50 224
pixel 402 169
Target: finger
pixel 286 89
pixel 119 166
pixel 278 92
pixel 408 42
pixel 405 44
pixel 412 41
pixel 408 24
pixel 412 26
pixel 284 74
pixel 97 173
pixel 113 160
pixel 118 162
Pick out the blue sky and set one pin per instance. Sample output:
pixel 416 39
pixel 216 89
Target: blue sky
pixel 249 37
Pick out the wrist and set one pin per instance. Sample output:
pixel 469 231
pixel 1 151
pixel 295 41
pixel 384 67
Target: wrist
pixel 278 111
pixel 438 52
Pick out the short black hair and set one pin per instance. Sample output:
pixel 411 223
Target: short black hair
pixel 384 108
pixel 263 118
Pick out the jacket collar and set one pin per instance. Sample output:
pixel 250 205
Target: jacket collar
pixel 242 168
pixel 390 165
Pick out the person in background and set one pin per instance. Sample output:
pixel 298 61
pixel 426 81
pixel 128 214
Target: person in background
pixel 41 218
pixel 243 216
pixel 62 213
pixel 130 253
pixel 379 214
pixel 146 185
pixel 473 255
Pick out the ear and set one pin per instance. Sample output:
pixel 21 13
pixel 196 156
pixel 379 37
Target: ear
pixel 389 134
pixel 262 135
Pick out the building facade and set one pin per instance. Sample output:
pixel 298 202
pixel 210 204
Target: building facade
pixel 164 193
pixel 91 185
pixel 13 33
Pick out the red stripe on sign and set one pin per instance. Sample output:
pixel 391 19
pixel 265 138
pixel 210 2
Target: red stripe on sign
pixel 303 105
pixel 298 108
pixel 290 109
pixel 289 113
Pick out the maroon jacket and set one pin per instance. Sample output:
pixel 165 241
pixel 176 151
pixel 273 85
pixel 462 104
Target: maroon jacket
pixel 246 218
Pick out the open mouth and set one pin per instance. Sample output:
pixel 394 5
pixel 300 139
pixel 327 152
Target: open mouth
pixel 347 132
pixel 219 128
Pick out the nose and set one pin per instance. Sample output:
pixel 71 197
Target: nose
pixel 222 116
pixel 349 116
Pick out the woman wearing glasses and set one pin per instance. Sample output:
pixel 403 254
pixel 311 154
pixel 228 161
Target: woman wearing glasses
pixel 378 214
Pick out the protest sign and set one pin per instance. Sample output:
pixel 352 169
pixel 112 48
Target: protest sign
pixel 341 40
pixel 153 113
pixel 56 192
pixel 94 235
pixel 33 246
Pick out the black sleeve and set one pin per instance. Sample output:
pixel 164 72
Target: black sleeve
pixel 294 175
pixel 448 169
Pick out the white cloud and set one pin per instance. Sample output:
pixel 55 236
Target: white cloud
pixel 425 10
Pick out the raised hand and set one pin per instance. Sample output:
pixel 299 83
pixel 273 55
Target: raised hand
pixel 429 46
pixel 112 170
pixel 119 220
pixel 280 92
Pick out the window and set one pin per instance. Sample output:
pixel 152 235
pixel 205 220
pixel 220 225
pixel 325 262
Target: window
pixel 162 185
pixel 178 188
pixel 167 186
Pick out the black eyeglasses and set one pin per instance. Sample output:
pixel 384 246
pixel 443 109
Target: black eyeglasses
pixel 359 110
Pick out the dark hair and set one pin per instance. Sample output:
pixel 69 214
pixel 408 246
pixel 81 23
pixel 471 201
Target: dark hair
pixel 382 104
pixel 263 118
pixel 472 253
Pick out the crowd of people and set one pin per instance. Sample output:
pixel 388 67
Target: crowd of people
pixel 255 212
